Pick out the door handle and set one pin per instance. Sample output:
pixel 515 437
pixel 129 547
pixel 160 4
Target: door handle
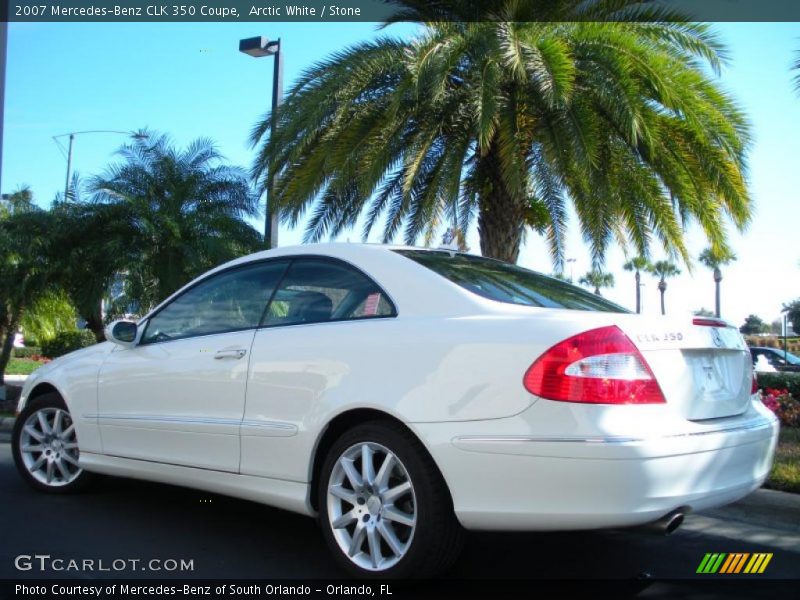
pixel 235 354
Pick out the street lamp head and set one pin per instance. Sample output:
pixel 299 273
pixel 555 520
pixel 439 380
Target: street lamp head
pixel 258 46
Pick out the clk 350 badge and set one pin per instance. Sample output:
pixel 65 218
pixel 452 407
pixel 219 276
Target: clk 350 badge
pixel 655 337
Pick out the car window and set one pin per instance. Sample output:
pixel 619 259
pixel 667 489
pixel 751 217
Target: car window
pixel 508 283
pixel 317 290
pixel 789 357
pixel 229 301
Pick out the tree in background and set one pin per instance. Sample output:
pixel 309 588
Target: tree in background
pixel 703 312
pixel 714 260
pixel 638 264
pixel 664 269
pixel 506 119
pixel 754 324
pixel 26 271
pixel 98 241
pixel 561 276
pixel 597 279
pixel 48 315
pixel 792 310
pixel 174 214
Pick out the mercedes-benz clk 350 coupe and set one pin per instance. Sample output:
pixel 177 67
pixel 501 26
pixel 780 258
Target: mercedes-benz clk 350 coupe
pixel 403 395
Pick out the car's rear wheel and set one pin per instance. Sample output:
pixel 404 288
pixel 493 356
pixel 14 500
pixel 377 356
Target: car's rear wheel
pixel 384 507
pixel 45 447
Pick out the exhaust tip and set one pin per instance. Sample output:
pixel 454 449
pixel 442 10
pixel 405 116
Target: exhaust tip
pixel 673 521
pixel 667 524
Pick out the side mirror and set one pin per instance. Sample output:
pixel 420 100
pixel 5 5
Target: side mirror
pixel 122 333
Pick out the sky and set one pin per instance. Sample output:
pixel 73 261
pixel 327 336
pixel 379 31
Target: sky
pixel 189 80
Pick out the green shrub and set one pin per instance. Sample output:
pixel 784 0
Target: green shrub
pixel 67 341
pixel 27 352
pixel 48 315
pixel 780 381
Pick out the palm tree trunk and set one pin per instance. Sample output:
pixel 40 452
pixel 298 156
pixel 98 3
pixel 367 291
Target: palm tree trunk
pixel 662 287
pixel 501 217
pixel 717 279
pixel 638 293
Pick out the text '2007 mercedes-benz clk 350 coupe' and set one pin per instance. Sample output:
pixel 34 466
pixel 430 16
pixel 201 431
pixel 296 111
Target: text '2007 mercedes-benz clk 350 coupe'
pixel 403 395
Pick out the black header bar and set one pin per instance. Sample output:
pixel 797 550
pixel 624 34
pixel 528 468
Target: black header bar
pixel 392 10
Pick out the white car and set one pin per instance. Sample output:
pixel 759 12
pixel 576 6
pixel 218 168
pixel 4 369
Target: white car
pixel 402 394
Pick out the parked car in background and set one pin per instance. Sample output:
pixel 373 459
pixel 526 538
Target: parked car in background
pixel 402 394
pixel 775 358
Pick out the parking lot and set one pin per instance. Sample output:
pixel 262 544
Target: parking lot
pixel 228 538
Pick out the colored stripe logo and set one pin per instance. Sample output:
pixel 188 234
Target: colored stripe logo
pixel 735 562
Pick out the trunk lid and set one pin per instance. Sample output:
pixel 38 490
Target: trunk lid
pixel 705 371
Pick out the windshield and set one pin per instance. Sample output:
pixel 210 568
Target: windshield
pixel 508 283
pixel 788 357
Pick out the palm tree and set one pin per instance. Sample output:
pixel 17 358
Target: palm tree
pixel 638 264
pixel 663 269
pixel 506 119
pixel 597 279
pixel 26 269
pixel 183 210
pixel 714 260
pixel 102 242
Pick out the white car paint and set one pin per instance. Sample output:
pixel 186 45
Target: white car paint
pixel 450 367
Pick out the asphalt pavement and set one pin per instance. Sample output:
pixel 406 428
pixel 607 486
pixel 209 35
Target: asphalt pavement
pixel 229 538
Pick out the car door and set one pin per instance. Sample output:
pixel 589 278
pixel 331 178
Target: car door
pixel 315 322
pixel 178 395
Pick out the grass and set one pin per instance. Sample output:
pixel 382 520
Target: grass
pixel 22 366
pixel 785 474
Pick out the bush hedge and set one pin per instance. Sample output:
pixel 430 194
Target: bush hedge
pixel 27 352
pixel 780 381
pixel 67 341
pixel 792 344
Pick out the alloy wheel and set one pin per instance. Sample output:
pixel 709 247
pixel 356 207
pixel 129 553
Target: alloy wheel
pixel 48 447
pixel 372 508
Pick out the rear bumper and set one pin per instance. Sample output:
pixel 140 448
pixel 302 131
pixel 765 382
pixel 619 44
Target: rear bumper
pixel 503 477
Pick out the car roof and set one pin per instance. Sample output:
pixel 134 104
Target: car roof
pixel 412 287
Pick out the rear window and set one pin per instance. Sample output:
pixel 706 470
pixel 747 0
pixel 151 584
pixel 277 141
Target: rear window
pixel 508 283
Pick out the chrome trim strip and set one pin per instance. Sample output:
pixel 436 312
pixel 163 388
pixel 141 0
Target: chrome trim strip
pixel 273 425
pixel 762 424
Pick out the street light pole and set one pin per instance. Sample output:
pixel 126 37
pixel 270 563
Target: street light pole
pixel 135 135
pixel 69 166
pixel 258 47
pixel 3 44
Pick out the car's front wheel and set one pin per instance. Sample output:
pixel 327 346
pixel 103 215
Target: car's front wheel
pixel 384 507
pixel 45 446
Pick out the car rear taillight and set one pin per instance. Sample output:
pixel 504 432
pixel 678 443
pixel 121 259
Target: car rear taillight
pixel 706 322
pixel 600 366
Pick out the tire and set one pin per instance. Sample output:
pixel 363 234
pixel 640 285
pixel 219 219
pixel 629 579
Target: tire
pixel 397 522
pixel 45 447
